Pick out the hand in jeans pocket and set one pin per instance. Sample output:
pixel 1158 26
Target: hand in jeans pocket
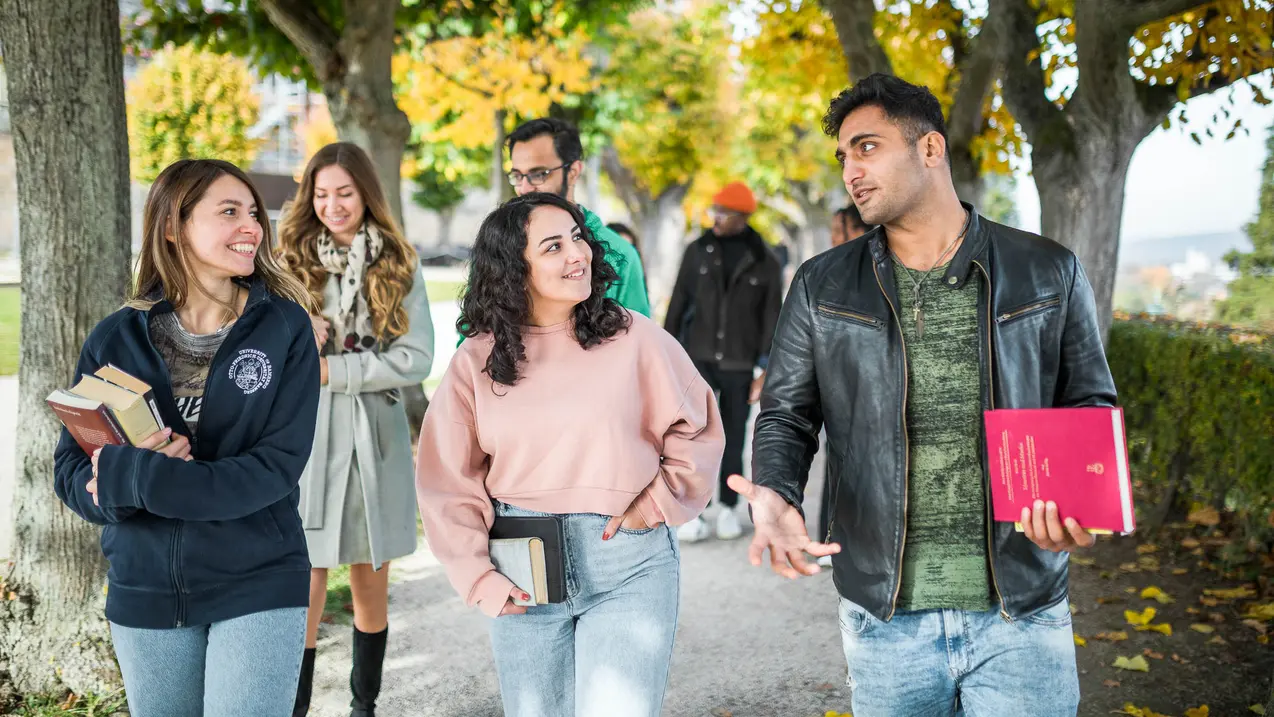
pixel 630 520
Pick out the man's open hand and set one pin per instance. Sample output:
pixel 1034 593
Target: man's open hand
pixel 780 528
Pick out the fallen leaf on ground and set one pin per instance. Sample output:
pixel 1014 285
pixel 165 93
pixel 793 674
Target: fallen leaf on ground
pixel 1110 683
pixel 1162 628
pixel 1148 563
pixel 1146 548
pixel 1152 654
pixel 1204 515
pixel 1217 640
pixel 1111 636
pixel 1134 664
pixel 1257 625
pixel 1077 560
pixel 721 712
pixel 1258 709
pixel 1179 658
pixel 1261 611
pixel 1080 642
pixel 1179 571
pixel 1216 617
pixel 1205 629
pixel 1159 596
pixel 1135 711
pixel 1200 711
pixel 1240 593
pixel 1263 639
pixel 1193 610
pixel 1130 590
pixel 1140 618
pixel 1209 602
pixel 1189 543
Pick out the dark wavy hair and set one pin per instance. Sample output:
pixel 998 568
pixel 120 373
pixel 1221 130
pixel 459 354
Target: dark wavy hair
pixel 911 108
pixel 497 297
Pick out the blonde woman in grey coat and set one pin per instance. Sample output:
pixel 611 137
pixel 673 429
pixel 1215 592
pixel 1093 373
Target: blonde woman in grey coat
pixel 375 337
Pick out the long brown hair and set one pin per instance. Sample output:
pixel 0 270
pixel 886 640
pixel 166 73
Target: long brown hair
pixel 389 278
pixel 163 269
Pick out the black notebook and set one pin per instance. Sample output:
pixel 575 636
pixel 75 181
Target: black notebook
pixel 549 530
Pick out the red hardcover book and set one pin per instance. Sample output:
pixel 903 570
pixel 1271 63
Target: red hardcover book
pixel 89 421
pixel 1075 457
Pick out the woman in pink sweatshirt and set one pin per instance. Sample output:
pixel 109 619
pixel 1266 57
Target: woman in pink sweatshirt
pixel 564 404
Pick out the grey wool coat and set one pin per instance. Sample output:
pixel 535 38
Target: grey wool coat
pixel 362 431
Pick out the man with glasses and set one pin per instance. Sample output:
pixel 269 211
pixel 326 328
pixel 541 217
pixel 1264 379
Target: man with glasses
pixel 546 155
pixel 723 310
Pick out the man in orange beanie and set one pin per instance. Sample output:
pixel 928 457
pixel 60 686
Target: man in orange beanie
pixel 723 310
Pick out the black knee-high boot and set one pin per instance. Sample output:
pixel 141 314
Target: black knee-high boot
pixel 306 684
pixel 364 676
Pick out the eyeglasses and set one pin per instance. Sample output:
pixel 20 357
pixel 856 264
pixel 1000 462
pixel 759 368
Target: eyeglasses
pixel 536 178
pixel 723 214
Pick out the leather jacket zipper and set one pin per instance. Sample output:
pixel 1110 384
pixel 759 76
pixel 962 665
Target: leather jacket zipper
pixel 850 315
pixel 990 363
pixel 906 440
pixel 1027 310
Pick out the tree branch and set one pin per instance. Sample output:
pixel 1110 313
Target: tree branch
pixel 313 37
pixel 467 87
pixel 1023 71
pixel 1132 14
pixel 977 69
pixel 855 22
pixel 623 180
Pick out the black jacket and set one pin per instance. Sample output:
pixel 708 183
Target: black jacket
pixel 839 360
pixel 726 320
pixel 219 537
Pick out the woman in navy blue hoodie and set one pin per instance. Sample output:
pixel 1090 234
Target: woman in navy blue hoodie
pixel 209 572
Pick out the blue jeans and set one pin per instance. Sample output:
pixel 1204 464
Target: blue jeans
pixel 925 663
pixel 605 651
pixel 246 666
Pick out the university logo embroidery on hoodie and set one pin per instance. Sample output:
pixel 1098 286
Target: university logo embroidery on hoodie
pixel 251 371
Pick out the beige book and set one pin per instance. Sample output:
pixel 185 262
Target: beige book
pixel 130 410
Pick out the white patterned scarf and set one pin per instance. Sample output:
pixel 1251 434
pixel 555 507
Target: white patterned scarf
pixel 351 321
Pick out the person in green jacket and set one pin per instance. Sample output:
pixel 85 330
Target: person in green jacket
pixel 547 156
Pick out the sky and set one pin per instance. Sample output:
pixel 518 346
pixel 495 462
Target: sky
pixel 1178 188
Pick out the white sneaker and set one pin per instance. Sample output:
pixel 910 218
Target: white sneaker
pixel 728 527
pixel 693 532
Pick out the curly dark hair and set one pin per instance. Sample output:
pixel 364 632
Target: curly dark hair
pixel 497 298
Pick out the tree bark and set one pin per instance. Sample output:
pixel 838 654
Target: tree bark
pixel 1080 154
pixel 355 71
pixel 66 92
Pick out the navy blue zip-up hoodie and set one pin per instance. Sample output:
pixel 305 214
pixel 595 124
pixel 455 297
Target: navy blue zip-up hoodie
pixel 218 537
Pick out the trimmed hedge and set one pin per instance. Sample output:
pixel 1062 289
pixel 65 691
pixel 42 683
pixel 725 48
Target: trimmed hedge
pixel 1199 406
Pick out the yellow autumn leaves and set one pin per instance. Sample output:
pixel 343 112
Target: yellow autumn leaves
pixel 190 103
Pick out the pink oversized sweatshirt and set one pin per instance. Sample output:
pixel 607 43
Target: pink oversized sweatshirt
pixel 582 431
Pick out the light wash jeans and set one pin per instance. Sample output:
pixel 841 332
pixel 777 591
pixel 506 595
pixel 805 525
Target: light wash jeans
pixel 246 666
pixel 925 663
pixel 604 652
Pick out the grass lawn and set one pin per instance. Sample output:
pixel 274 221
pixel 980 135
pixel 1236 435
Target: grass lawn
pixel 9 321
pixel 444 290
pixel 72 706
pixel 340 599
pixel 9 330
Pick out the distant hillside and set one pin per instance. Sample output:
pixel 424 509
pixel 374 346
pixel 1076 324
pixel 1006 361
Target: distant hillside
pixel 1164 252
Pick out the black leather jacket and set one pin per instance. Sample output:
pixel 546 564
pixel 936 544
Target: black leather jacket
pixel 838 359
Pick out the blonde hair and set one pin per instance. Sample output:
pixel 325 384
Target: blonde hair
pixel 163 268
pixel 389 278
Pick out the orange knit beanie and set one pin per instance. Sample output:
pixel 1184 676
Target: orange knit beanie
pixel 737 197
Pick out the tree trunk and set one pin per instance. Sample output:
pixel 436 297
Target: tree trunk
pixel 446 217
pixel 965 174
pixel 1082 205
pixel 500 187
pixel 662 224
pixel 64 62
pixel 356 73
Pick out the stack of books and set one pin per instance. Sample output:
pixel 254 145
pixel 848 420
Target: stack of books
pixel 110 407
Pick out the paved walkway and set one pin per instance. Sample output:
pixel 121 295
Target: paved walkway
pixel 748 643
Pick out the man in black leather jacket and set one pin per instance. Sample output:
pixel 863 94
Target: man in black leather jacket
pixel 897 343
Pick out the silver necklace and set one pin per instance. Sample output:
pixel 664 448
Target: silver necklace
pixel 918 310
